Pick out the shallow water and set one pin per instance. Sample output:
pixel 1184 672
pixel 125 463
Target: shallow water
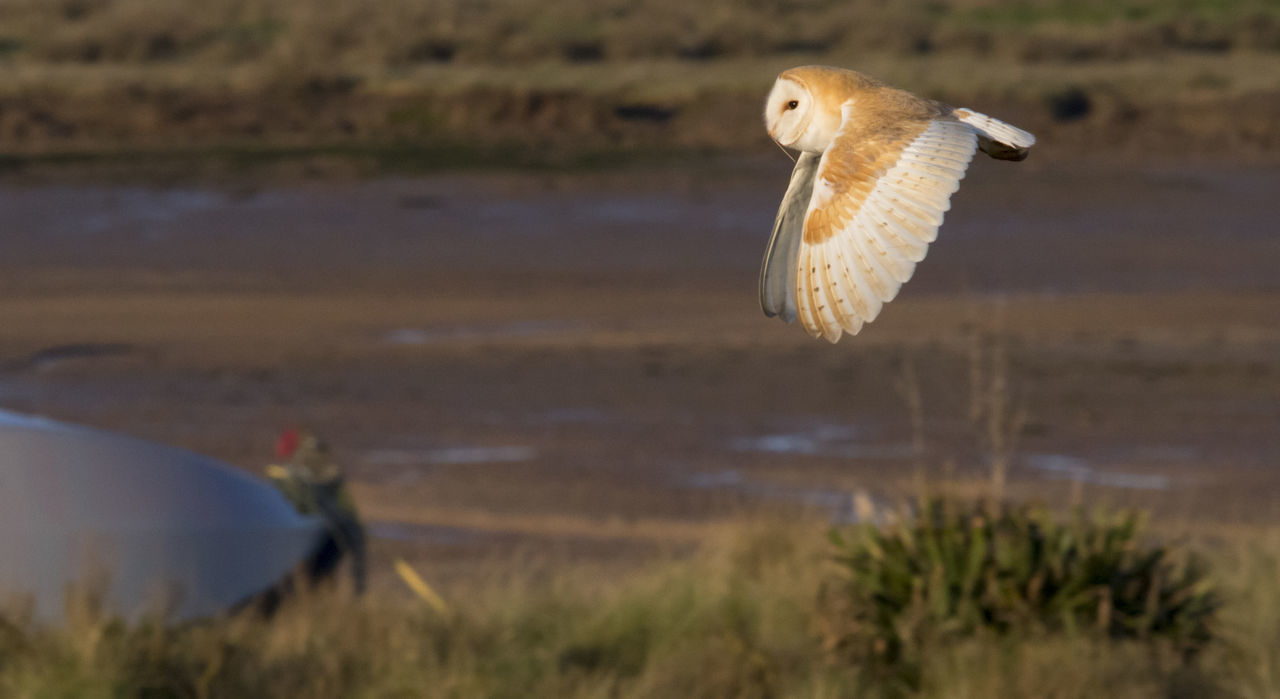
pixel 448 455
pixel 1075 468
pixel 426 336
pixel 1041 227
pixel 839 441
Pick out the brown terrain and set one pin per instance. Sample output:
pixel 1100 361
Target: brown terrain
pixel 436 120
pixel 574 363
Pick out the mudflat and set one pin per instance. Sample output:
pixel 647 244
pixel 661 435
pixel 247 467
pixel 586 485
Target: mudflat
pixel 577 361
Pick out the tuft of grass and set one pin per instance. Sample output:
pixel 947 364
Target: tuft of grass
pixel 81 75
pixel 742 619
pixel 952 570
pixel 403 33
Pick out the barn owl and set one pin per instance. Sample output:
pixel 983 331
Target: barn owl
pixel 876 171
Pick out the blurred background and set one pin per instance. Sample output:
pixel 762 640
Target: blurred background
pixel 502 256
pixel 431 85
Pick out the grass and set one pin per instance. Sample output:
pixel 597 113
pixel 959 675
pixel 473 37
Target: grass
pixel 952 571
pixel 93 76
pixel 739 620
pixel 286 35
pixel 91 45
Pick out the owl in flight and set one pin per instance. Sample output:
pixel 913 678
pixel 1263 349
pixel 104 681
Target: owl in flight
pixel 876 171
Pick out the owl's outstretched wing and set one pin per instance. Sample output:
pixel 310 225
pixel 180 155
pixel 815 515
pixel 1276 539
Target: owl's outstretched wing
pixel 878 199
pixel 778 272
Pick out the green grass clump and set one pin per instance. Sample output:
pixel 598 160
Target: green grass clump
pixel 954 570
pixel 745 618
pixel 402 33
pixel 88 77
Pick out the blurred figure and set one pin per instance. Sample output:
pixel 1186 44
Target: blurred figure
pixel 313 482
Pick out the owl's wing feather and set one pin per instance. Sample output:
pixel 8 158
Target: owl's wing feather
pixel 995 138
pixel 778 272
pixel 878 200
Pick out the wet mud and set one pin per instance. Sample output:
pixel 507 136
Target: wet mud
pixel 576 362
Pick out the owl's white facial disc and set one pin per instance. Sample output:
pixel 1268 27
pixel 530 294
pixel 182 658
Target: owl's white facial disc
pixel 787 112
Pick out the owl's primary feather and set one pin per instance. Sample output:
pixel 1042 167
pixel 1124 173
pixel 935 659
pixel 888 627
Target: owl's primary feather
pixel 778 273
pixel 875 176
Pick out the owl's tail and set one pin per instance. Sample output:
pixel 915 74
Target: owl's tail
pixel 995 138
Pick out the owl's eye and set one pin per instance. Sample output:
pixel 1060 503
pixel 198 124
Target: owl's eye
pixel 792 104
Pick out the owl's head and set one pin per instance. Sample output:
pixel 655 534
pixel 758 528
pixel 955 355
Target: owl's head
pixel 803 110
pixel 788 111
